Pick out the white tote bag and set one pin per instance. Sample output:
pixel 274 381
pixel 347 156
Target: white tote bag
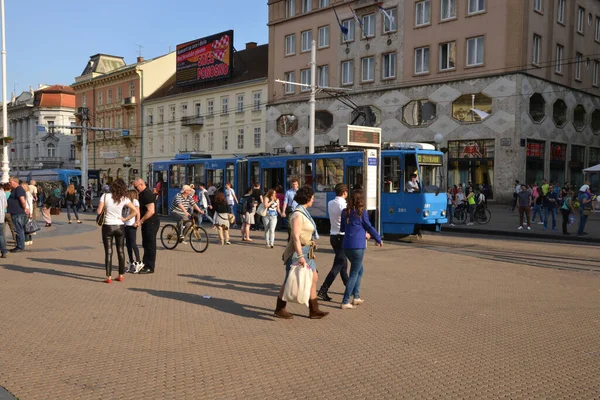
pixel 297 286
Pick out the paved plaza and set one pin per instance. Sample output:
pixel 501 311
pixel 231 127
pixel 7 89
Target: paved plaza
pixel 445 317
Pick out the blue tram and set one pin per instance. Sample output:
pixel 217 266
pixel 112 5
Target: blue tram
pixel 401 212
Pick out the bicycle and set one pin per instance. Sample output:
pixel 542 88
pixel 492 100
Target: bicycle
pixel 482 215
pixel 460 215
pixel 198 237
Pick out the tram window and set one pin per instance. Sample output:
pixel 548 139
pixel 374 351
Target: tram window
pixel 254 174
pixel 330 172
pixel 229 174
pixel 354 178
pixel 196 174
pixel 411 168
pixel 429 178
pixel 218 179
pixel 392 174
pixel 300 169
pixel 177 176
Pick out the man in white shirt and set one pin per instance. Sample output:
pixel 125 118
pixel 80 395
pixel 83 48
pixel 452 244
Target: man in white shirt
pixel 412 186
pixel 340 264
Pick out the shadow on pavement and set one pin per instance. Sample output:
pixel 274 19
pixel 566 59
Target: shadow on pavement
pixel 84 264
pixel 267 289
pixel 222 305
pixel 54 272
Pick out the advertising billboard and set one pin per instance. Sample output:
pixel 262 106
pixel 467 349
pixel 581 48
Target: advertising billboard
pixel 206 59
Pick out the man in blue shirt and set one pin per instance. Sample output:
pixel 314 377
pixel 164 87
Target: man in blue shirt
pixel 18 210
pixel 289 204
pixel 550 203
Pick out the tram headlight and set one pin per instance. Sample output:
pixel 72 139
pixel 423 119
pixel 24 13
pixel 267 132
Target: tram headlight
pixel 426 213
pixel 443 213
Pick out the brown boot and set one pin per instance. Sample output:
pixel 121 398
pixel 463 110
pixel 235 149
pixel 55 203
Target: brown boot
pixel 280 311
pixel 314 312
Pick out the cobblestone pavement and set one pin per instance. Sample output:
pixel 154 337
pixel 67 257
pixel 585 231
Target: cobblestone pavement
pixel 435 325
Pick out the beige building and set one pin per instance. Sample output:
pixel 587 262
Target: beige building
pixel 114 92
pixel 530 69
pixel 218 118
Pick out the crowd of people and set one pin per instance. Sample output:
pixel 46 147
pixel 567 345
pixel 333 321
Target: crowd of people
pixel 470 198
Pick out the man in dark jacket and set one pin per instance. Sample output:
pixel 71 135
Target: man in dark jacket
pixel 550 203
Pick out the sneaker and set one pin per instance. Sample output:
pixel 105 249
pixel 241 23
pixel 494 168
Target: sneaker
pixel 347 306
pixel 138 267
pixel 470 223
pixel 130 267
pixel 452 225
pixel 358 301
pixel 540 223
pixel 528 228
pixel 227 242
pixel 520 227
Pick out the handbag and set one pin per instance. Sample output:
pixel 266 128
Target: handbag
pixel 54 211
pixel 262 210
pixel 101 217
pixel 297 284
pixel 31 226
pixel 231 218
pixel 587 211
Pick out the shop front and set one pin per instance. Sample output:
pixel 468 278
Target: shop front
pixel 558 157
pixel 594 159
pixel 534 164
pixel 472 161
pixel 576 165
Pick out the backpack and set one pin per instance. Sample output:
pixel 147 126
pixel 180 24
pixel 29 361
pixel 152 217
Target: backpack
pixel 248 204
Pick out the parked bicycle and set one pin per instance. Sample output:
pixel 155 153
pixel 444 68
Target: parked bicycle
pixel 197 236
pixel 482 215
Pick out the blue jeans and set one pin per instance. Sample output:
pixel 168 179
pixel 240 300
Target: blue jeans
pixel 582 221
pixel 356 272
pixel 19 221
pixel 204 216
pixel 72 207
pixel 450 213
pixel 270 223
pixel 537 209
pixel 546 214
pixel 2 240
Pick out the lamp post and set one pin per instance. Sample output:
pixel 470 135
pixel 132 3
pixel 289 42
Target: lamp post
pixel 439 139
pixel 77 164
pixel 126 165
pixel 5 166
pixel 40 165
pixel 289 148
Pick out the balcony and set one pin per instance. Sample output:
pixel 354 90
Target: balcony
pixel 192 121
pixel 128 102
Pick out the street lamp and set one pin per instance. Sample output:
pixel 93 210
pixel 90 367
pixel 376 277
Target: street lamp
pixel 126 165
pixel 439 139
pixel 77 164
pixel 40 165
pixel 289 148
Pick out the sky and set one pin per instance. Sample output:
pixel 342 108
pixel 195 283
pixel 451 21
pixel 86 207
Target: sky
pixel 50 42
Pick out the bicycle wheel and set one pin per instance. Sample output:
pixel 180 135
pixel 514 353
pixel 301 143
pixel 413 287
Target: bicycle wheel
pixel 483 216
pixel 460 216
pixel 199 239
pixel 169 236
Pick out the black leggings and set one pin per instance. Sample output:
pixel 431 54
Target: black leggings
pixel 130 237
pixel 118 233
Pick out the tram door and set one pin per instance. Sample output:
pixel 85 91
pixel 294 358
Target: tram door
pixel 272 177
pixel 215 176
pixel 354 177
pixel 242 178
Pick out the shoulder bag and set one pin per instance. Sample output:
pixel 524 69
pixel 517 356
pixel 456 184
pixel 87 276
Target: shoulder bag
pixel 297 285
pixel 31 226
pixel 102 216
pixel 261 210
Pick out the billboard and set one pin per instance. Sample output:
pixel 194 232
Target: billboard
pixel 206 59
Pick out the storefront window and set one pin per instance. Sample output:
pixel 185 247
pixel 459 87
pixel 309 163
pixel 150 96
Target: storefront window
pixel 472 107
pixel 596 122
pixel 323 121
pixel 472 161
pixel 419 113
pixel 287 124
pixel 559 113
pixel 558 156
pixel 537 107
pixel 579 117
pixel 330 172
pixel 576 165
pixel 534 165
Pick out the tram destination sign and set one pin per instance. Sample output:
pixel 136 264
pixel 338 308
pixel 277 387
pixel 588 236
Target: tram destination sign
pixel 363 136
pixel 429 159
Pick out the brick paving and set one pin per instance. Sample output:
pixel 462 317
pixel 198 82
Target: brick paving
pixel 435 325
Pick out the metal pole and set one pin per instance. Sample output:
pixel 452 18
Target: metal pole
pixel 84 151
pixel 5 166
pixel 313 92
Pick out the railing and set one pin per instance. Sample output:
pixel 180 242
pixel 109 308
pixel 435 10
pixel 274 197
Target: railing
pixel 191 121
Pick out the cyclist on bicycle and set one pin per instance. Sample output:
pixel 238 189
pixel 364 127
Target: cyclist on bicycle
pixel 180 207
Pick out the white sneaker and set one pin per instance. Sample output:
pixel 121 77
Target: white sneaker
pixel 520 227
pixel 129 267
pixel 138 267
pixel 347 306
pixel 357 301
pixel 452 225
pixel 528 228
pixel 470 223
pixel 540 223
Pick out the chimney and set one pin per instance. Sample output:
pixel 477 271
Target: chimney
pixel 140 59
pixel 250 45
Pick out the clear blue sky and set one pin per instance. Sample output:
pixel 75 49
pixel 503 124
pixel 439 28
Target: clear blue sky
pixel 50 41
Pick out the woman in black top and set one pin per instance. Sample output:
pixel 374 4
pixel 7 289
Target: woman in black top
pixel 71 199
pixel 221 218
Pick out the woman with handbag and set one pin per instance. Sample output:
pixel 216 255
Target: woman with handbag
pixel 300 251
pixel 221 217
pixel 113 229
pixel 585 209
pixel 269 211
pixel 29 201
pixel 357 229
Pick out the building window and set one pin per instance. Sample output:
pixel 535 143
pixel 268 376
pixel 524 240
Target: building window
pixel 184 109
pixel 305 80
pixel 447 56
pixel 595 127
pixel 161 144
pixel 419 113
pixel 72 152
pixel 287 124
pixel 257 138
pixel 580 19
pixel 210 107
pixel 559 58
pixel 597 34
pixel 423 12
pixel 595 76
pixel 119 94
pixel 390 20
pixel 537 49
pixel 290 45
pixel 448 9
pixel 475 51
pixel 323 121
pixel 368 25
pixel 349 25
pixel 578 58
pixel 109 122
pixel 51 150
pixel 422 60
pixel 579 117
pixel 559 113
pixel 537 5
pixel 323 3
pixel 347 72
pixel 225 140
pixel 198 107
pixel 109 96
pixel 366 116
pixel 323 76
pixel 150 116
pixel 119 122
pixel 211 141
pixel 184 142
pixel 256 100
pixel 224 105
pixel 100 98
pixel 323 37
pixel 240 139
pixel 306 41
pixel 537 107
pixel 290 8
pixel 131 89
pixel 197 142
pixel 472 107
pixel 306 6
pixel 83 100
pixel 240 103
pixel 289 77
pixel 476 6
pixel 172 113
pixel 560 13
pixel 388 66
pixel 172 143
pixel 368 73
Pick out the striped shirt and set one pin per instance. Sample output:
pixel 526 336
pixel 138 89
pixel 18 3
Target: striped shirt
pixel 3 206
pixel 180 200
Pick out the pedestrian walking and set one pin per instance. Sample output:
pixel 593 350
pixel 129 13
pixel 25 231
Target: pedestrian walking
pixel 88 198
pixel 566 209
pixel 50 201
pixel 340 264
pixel 150 223
pixel 222 218
pixel 538 198
pixel 585 208
pixel 7 218
pixel 3 205
pixel 134 265
pixel 72 203
pixel 550 204
pixel 29 201
pixel 113 229
pixel 471 204
pixel 270 220
pixel 289 204
pixel 249 210
pixel 300 250
pixel 231 198
pixel 18 210
pixel 355 224
pixel 450 204
pixel 516 194
pixel 205 205
pixel 524 200
pixel 34 194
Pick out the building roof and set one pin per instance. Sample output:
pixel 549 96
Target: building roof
pixel 55 96
pixel 57 89
pixel 248 65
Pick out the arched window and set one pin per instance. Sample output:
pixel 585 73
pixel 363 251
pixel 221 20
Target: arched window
pixel 51 150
